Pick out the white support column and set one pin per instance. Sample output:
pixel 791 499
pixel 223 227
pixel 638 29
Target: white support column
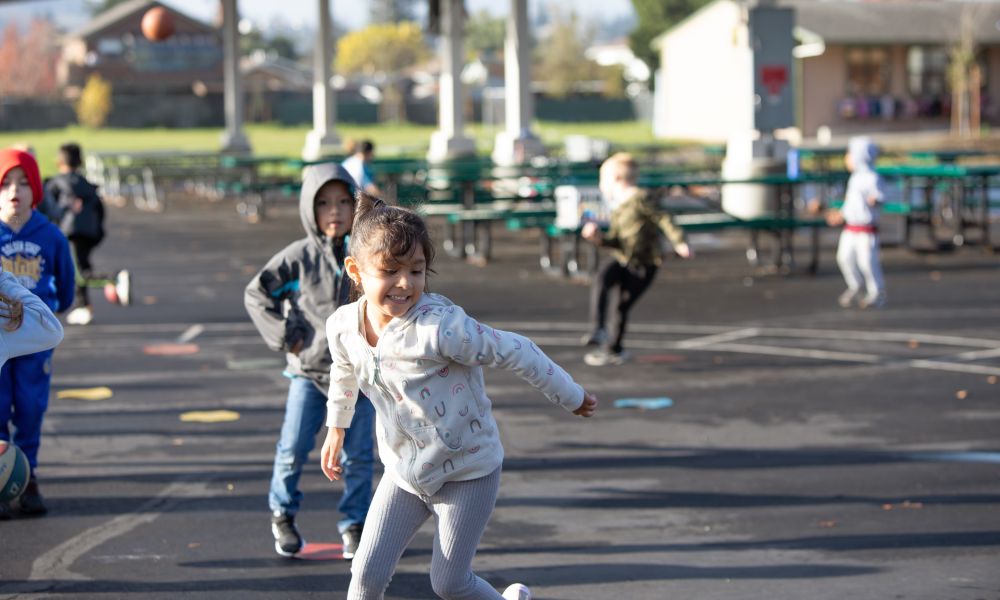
pixel 449 141
pixel 516 143
pixel 233 140
pixel 323 139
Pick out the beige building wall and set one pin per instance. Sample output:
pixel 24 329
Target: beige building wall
pixel 993 84
pixel 706 88
pixel 823 83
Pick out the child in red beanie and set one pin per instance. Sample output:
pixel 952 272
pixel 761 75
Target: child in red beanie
pixel 34 251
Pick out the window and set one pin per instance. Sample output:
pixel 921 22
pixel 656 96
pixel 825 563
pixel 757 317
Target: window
pixel 867 71
pixel 927 70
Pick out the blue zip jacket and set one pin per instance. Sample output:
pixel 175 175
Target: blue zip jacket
pixel 38 255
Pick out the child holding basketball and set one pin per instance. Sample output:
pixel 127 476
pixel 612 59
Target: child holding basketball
pixel 37 255
pixel 26 326
pixel 420 359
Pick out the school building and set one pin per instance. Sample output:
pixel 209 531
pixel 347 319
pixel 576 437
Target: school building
pixel 859 65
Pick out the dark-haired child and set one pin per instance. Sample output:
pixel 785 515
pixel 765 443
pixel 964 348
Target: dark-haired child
pixel 289 301
pixel 420 359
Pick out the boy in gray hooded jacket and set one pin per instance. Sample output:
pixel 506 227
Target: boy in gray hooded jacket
pixel 289 302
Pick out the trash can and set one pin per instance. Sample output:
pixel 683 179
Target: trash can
pixel 750 200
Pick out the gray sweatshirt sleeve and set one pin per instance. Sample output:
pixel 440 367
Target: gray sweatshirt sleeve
pixel 39 330
pixel 264 298
pixel 467 341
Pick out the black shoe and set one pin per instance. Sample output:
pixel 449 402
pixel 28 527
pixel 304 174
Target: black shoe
pixel 352 539
pixel 287 541
pixel 31 502
pixel 5 514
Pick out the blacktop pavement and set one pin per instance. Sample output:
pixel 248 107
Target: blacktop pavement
pixel 809 452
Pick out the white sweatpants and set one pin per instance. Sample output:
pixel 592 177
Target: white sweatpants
pixel 860 263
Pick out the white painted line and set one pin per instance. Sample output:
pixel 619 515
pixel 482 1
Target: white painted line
pixel 798 353
pixel 190 333
pixel 881 336
pixel 978 354
pixel 955 367
pixel 708 340
pixel 56 564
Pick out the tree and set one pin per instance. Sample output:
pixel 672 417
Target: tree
pixel 561 61
pixel 383 50
pixel 485 34
pixel 29 78
pixel 654 18
pixel 94 105
pixel 965 77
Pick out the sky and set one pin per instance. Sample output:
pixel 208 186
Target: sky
pixel 354 13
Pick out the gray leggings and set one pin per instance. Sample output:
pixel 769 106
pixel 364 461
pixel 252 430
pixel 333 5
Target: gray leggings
pixel 462 509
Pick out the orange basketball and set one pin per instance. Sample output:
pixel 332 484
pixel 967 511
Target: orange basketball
pixel 157 24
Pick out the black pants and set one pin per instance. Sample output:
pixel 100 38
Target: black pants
pixel 631 283
pixel 82 247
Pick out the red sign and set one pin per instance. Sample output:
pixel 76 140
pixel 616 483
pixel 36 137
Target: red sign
pixel 774 78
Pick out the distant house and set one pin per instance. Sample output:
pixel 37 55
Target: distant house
pixel 861 66
pixel 174 82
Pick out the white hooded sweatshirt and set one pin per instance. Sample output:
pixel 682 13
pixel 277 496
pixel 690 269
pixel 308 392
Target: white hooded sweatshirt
pixel 39 330
pixel 425 378
pixel 863 184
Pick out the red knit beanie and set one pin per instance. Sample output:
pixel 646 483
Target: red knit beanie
pixel 10 158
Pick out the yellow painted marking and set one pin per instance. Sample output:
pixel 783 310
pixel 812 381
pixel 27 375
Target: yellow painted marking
pixel 210 416
pixel 95 393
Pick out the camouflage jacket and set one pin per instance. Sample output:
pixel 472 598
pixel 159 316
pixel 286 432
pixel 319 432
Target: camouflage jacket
pixel 634 232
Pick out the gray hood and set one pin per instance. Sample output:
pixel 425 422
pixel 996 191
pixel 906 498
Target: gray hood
pixel 313 178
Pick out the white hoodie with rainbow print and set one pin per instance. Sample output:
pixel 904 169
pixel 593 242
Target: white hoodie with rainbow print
pixel 425 378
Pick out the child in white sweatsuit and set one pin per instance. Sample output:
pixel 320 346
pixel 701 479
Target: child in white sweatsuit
pixel 858 251
pixel 420 358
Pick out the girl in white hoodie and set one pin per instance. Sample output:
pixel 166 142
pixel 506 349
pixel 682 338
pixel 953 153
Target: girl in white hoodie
pixel 420 358
pixel 26 326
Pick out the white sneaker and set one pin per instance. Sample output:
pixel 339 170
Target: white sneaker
pixel 847 298
pixel 517 591
pixel 878 301
pixel 602 358
pixel 80 316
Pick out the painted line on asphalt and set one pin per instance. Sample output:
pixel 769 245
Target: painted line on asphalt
pixel 56 564
pixel 857 357
pixel 708 340
pixel 190 333
pixel 937 365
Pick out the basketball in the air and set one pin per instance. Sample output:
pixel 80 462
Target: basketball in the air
pixel 14 473
pixel 157 24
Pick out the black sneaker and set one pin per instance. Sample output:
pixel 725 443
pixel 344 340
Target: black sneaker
pixel 5 514
pixel 287 541
pixel 31 502
pixel 352 539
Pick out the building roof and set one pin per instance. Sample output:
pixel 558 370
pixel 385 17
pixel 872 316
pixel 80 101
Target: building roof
pixel 124 10
pixel 885 21
pixel 896 21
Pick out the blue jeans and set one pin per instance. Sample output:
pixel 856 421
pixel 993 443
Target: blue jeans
pixel 305 414
pixel 24 397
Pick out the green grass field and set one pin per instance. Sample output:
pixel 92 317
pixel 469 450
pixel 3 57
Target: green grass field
pixel 267 139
